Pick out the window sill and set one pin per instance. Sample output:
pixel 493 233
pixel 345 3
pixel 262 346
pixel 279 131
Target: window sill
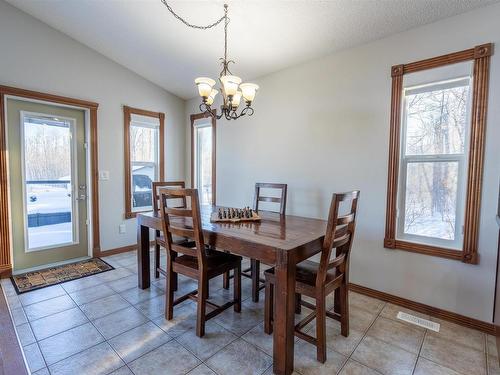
pixel 425 249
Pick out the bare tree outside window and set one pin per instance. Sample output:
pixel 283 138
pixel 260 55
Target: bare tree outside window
pixel 433 159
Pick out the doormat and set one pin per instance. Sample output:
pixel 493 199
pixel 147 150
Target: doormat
pixel 30 281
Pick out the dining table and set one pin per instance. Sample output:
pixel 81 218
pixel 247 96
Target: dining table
pixel 277 240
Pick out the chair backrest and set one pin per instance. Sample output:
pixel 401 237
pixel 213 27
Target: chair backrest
pixel 339 236
pixel 183 222
pixel 166 184
pixel 260 198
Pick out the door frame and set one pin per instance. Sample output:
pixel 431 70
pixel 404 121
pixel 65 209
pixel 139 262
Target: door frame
pixel 90 109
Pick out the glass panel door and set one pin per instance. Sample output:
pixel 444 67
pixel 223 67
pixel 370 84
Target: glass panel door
pixel 49 181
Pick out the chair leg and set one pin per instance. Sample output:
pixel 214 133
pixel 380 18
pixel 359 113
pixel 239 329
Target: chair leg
pixel 321 328
pixel 237 288
pixel 344 310
pixel 255 270
pixel 225 280
pixel 157 256
pixel 169 294
pixel 268 308
pixel 298 306
pixel 201 308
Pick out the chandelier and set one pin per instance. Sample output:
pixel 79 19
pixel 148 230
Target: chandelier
pixel 232 89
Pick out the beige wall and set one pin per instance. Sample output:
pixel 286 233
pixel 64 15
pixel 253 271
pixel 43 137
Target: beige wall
pixel 323 127
pixel 34 56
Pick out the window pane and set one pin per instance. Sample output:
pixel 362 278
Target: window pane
pixel 431 199
pixel 204 163
pixel 436 120
pixel 47 158
pixel 142 178
pixel 143 143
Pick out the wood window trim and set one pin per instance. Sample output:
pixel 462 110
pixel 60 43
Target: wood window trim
pixel 480 55
pixel 199 116
pixel 5 256
pixel 127 116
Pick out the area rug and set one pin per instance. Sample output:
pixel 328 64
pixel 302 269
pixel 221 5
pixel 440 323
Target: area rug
pixel 30 281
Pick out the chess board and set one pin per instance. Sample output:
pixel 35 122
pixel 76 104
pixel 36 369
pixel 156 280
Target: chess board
pixel 234 215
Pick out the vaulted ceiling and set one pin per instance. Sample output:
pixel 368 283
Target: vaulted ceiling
pixel 264 35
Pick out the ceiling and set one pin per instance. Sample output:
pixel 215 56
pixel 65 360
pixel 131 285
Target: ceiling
pixel 264 35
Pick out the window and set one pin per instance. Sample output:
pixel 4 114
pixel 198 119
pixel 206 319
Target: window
pixel 144 156
pixel 438 116
pixel 203 157
pixel 433 163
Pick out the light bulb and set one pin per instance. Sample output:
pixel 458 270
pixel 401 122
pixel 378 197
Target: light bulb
pixel 248 90
pixel 204 86
pixel 211 97
pixel 230 84
pixel 236 100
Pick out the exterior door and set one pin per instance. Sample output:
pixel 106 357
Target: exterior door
pixel 48 183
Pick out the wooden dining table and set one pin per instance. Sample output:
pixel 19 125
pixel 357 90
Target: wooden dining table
pixel 278 240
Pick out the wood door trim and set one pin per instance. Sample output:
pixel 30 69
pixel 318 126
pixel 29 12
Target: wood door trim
pixel 127 116
pixel 193 118
pixel 436 312
pixel 5 256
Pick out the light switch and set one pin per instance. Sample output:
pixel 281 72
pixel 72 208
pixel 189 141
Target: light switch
pixel 104 175
pixel 121 228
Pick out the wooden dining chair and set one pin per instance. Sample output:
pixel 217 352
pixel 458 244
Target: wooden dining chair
pixel 193 259
pixel 318 280
pixel 159 240
pixel 254 271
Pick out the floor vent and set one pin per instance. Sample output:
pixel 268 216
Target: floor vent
pixel 418 321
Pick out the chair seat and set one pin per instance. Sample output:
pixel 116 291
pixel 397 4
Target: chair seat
pixel 217 263
pixel 306 273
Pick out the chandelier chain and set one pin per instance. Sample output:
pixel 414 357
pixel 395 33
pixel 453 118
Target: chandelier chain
pixel 192 25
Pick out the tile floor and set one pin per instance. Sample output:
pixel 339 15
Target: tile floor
pixel 104 324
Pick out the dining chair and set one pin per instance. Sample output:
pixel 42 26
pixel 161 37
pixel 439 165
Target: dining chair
pixel 254 271
pixel 318 280
pixel 159 240
pixel 194 259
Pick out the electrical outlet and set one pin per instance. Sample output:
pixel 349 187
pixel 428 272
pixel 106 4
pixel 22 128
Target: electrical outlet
pixel 121 228
pixel 104 175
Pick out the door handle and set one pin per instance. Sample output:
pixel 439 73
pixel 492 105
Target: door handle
pixel 82 197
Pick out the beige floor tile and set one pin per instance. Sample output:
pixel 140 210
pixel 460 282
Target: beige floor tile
pixel 384 357
pixel 214 340
pixel 240 358
pixel 57 323
pixel 491 345
pixel 41 295
pixel 426 367
pixel 183 321
pixel 396 333
pixel 201 370
pixel 463 335
pixel 456 356
pixel 367 303
pixel 238 323
pixel 48 307
pixel 305 361
pixel 355 368
pixel 138 341
pixel 493 365
pixel 169 359
pixel 98 360
pixel 34 357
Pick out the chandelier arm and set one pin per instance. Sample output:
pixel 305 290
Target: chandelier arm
pixel 224 17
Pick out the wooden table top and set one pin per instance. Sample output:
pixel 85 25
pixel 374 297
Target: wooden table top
pixel 284 232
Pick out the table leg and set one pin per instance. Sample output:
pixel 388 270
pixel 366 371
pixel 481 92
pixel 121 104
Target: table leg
pixel 284 314
pixel 143 256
